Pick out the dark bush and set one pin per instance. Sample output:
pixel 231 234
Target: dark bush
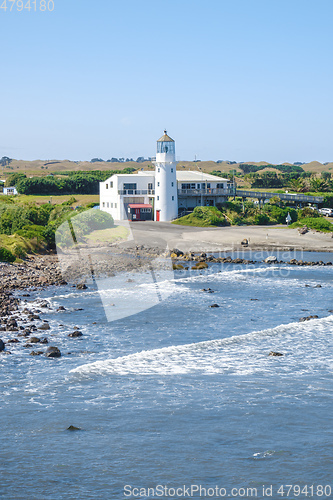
pixel 6 255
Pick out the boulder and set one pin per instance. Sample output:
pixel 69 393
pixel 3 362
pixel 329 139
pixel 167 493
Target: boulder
pixel 61 308
pixel 53 352
pixel 245 242
pixel 34 340
pixel 271 259
pixel 2 345
pixel 214 305
pixel 273 353
pixel 81 286
pixel 75 334
pixel 44 326
pixel 200 265
pixel 177 252
pixel 73 428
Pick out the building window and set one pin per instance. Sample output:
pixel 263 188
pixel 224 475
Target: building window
pixel 115 205
pixel 158 184
pixel 171 184
pixel 103 204
pixel 129 185
pixel 111 205
pixel 150 185
pixel 111 184
pixel 158 198
pixel 172 170
pixel 208 185
pixel 158 170
pixel 107 186
pixel 107 204
pixel 173 198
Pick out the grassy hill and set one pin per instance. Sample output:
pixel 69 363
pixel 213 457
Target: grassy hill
pixel 46 167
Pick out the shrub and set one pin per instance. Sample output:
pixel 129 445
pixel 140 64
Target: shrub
pixel 319 224
pixel 307 212
pixel 18 251
pixel 262 219
pixel 6 255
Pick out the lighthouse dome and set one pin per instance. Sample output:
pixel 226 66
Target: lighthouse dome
pixel 165 138
pixel 166 145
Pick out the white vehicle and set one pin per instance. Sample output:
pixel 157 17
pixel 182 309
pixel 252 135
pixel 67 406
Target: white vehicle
pixel 328 212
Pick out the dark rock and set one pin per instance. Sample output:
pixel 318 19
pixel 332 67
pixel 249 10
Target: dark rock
pixel 317 286
pixel 214 305
pixel 177 252
pixel 73 428
pixel 61 308
pixel 44 326
pixel 36 353
pixel 81 286
pixel 2 345
pixel 75 334
pixel 34 340
pixel 53 352
pixel 273 353
pixel 12 341
pixel 307 318
pixel 44 341
pixel 245 242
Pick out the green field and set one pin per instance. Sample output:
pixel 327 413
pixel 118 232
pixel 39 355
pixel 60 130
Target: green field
pixel 81 199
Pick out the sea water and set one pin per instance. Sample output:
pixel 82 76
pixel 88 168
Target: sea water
pixel 181 399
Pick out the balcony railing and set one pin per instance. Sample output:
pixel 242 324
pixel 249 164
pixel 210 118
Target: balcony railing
pixel 206 192
pixel 132 192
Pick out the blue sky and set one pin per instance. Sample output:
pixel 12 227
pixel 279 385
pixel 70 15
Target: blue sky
pixel 244 80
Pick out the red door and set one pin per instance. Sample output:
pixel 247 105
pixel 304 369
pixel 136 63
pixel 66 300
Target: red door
pixel 158 215
pixel 137 214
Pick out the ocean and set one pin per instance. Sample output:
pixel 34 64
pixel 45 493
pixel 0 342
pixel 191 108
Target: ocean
pixel 180 400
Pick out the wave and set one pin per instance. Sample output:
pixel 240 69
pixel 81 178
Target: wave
pixel 239 354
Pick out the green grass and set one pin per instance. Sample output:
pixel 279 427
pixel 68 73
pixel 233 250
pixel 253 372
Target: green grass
pixel 109 235
pixel 19 245
pixel 81 199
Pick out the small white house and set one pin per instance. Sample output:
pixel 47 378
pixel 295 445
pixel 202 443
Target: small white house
pixel 10 190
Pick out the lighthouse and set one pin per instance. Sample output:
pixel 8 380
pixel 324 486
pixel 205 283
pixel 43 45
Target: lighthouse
pixel 166 199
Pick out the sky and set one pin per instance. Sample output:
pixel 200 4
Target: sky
pixel 241 80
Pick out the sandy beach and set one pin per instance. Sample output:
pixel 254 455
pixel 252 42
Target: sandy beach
pixel 196 239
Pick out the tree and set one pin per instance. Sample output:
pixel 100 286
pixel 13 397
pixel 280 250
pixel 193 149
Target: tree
pixel 5 161
pixel 297 185
pixel 13 179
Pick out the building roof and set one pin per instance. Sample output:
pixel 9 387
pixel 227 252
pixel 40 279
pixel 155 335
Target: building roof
pixel 196 176
pixel 181 175
pixel 139 205
pixel 165 138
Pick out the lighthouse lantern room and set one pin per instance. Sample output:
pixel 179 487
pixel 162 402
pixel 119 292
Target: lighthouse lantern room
pixel 166 199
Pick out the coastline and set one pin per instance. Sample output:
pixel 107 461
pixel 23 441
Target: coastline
pixel 183 244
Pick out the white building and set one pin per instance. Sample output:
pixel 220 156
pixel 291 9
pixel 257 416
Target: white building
pixel 10 190
pixel 169 192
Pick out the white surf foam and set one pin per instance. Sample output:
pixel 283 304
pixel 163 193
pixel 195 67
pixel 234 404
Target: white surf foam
pixel 304 345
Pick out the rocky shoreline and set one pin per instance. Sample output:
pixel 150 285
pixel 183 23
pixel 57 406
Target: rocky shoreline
pixel 23 324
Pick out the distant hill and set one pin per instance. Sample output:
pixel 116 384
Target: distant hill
pixel 46 167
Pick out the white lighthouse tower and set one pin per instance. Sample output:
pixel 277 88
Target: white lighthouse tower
pixel 166 199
